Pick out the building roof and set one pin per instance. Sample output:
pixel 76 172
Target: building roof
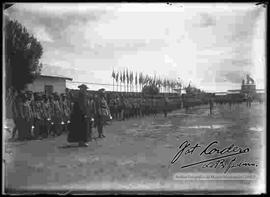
pixel 233 91
pixel 59 77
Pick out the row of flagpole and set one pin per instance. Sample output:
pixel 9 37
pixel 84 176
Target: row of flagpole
pixel 129 81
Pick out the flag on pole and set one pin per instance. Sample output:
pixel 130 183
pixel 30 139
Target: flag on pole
pixel 136 79
pixel 116 76
pixel 131 77
pixel 124 77
pixel 121 77
pixel 113 74
pixel 140 78
pixel 127 76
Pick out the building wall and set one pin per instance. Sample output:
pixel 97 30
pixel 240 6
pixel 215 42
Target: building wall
pixel 59 85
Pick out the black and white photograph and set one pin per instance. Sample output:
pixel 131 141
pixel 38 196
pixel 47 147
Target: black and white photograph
pixel 134 98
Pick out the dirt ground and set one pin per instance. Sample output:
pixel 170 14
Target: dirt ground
pixel 136 154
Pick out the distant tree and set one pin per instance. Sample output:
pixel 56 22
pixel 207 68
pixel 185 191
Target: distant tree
pixel 151 89
pixel 22 54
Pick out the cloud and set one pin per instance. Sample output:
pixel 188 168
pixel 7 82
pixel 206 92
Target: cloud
pixel 42 34
pixel 206 20
pixel 230 76
pixel 202 43
pixel 61 71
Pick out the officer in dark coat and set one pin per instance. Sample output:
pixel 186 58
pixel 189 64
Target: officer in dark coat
pixel 78 128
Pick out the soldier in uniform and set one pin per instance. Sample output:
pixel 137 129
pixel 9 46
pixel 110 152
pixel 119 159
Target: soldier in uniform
pixel 90 115
pixel 142 106
pixel 56 115
pixel 102 112
pixel 165 106
pixel 65 112
pixel 211 105
pixel 18 115
pixel 122 107
pixel 28 115
pixel 147 106
pixel 127 108
pixel 47 115
pixel 249 100
pixel 118 108
pixel 15 113
pixel 154 106
pixel 132 103
pixel 112 107
pixel 36 106
pixel 136 107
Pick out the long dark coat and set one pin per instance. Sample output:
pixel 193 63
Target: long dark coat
pixel 78 128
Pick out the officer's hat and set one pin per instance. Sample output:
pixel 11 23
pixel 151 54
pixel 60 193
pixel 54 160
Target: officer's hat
pixel 83 86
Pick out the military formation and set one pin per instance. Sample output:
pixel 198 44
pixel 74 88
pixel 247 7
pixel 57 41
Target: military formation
pixel 126 106
pixel 39 115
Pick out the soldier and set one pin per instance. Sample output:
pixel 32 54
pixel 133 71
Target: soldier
pixel 102 112
pixel 148 106
pixel 18 116
pixel 90 115
pixel 56 115
pixel 112 107
pixel 143 106
pixel 127 108
pixel 211 105
pixel 186 104
pixel 122 107
pixel 15 113
pixel 136 107
pixel 118 108
pixel 132 103
pixel 165 106
pixel 47 115
pixel 28 115
pixel 249 100
pixel 154 106
pixel 36 107
pixel 65 112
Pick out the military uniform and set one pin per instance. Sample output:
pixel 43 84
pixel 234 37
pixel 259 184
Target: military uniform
pixel 90 116
pixel 112 107
pixel 18 115
pixel 101 112
pixel 56 117
pixel 122 108
pixel 47 116
pixel 165 106
pixel 65 113
pixel 36 117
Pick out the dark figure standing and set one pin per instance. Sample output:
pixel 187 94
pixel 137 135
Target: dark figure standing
pixel 211 105
pixel 78 128
pixel 249 100
pixel 165 106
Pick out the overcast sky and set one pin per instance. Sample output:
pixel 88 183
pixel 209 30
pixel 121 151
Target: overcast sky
pixel 212 45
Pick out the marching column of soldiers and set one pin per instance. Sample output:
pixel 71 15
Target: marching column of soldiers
pixel 37 115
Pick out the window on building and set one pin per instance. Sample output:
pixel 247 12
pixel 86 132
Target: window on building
pixel 48 89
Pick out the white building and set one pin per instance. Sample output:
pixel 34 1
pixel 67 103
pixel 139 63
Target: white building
pixel 49 84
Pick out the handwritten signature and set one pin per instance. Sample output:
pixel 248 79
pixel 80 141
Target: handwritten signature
pixel 217 162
